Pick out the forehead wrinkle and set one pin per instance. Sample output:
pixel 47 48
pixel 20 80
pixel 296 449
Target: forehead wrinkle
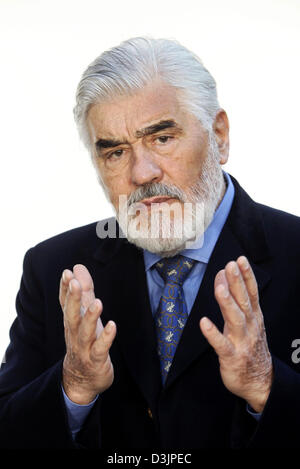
pixel 157 101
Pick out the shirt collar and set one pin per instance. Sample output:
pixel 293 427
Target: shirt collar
pixel 201 250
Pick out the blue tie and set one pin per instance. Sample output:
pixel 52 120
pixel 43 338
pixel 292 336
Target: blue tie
pixel 171 314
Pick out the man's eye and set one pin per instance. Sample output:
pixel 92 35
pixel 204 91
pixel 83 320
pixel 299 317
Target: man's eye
pixel 116 154
pixel 163 138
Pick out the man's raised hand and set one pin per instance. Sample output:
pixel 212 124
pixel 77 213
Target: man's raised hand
pixel 87 368
pixel 245 361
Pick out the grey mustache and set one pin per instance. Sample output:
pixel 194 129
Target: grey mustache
pixel 154 190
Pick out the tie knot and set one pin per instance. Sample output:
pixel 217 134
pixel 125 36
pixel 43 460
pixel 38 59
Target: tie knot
pixel 174 269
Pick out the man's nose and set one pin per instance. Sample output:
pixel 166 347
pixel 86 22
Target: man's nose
pixel 145 169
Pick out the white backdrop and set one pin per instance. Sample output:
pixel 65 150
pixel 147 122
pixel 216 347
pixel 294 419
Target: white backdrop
pixel 48 184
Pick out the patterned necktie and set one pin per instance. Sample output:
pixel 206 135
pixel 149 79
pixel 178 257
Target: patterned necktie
pixel 171 314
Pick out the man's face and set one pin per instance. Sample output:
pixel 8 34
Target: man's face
pixel 146 139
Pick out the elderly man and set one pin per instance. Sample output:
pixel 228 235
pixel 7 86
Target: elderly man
pixel 174 328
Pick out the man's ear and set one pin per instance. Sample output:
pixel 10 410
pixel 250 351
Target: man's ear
pixel 221 129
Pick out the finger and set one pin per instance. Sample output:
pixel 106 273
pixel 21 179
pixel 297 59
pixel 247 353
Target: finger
pixel 101 346
pixel 72 304
pixel 67 275
pixel 83 276
pixel 233 316
pixel 252 288
pixel 238 289
pixel 221 344
pixel 88 325
pixel 220 278
pixel 250 281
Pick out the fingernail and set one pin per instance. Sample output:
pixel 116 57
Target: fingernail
pixel 109 326
pixel 207 324
pixel 224 291
pixel 235 270
pixel 245 263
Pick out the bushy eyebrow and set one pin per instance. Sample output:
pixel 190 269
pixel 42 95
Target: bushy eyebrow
pixel 108 143
pixel 161 125
pixel 151 129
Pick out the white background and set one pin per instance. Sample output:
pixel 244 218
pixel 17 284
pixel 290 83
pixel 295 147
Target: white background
pixel 48 184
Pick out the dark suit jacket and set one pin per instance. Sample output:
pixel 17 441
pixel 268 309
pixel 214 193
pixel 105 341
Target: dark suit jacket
pixel 194 410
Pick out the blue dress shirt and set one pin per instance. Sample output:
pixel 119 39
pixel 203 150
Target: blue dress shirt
pixel 200 251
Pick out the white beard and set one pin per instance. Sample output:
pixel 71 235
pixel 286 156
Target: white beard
pixel 167 235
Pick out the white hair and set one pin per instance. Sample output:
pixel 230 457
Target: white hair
pixel 137 62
